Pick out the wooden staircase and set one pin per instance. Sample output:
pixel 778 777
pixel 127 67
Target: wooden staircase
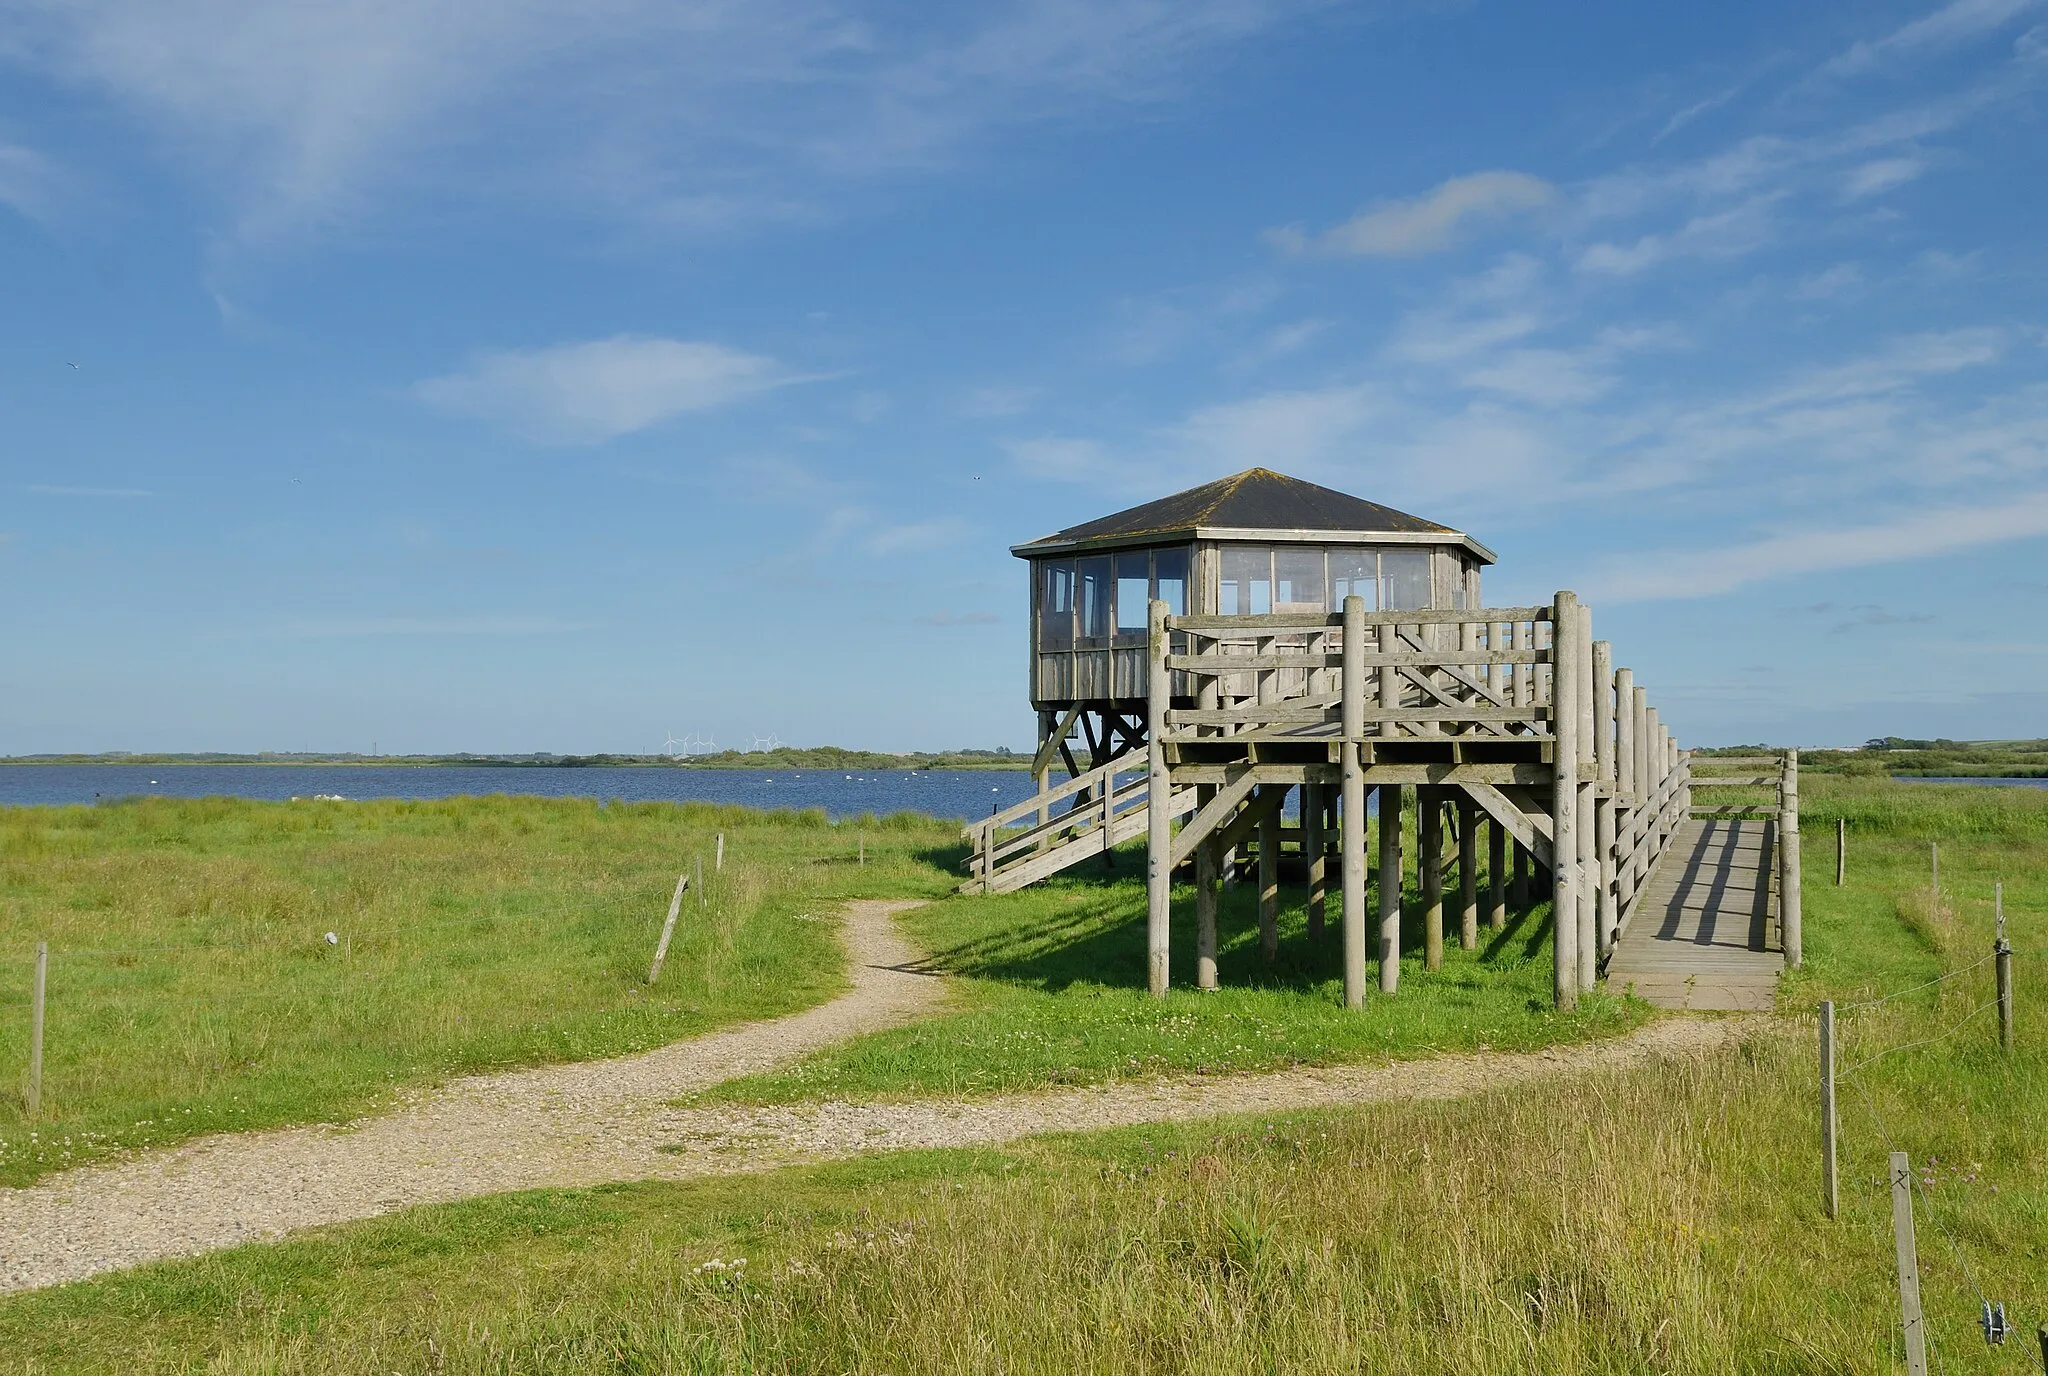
pixel 1037 838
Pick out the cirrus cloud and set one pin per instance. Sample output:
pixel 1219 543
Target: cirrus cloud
pixel 594 390
pixel 1423 224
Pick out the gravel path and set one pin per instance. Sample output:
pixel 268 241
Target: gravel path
pixel 577 1125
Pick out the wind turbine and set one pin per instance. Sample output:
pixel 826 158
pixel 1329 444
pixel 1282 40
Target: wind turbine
pixel 674 748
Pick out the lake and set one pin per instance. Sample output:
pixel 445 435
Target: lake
pixel 962 793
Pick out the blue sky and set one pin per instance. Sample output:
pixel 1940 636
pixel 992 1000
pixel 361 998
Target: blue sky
pixel 561 374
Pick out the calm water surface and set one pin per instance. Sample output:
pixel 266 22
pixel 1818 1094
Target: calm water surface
pixel 941 793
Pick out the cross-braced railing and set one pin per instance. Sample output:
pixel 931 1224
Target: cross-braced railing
pixel 1529 719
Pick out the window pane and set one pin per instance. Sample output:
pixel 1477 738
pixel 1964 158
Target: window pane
pixel 1354 573
pixel 1171 569
pixel 1133 590
pixel 1298 580
pixel 1246 588
pixel 1404 578
pixel 1056 606
pixel 1094 596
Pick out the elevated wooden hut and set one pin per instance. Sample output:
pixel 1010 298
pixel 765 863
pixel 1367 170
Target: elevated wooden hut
pixel 1255 543
pixel 1260 644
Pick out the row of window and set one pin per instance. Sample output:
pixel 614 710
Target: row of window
pixel 1090 600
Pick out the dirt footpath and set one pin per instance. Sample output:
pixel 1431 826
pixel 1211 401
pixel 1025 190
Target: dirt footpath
pixel 585 1124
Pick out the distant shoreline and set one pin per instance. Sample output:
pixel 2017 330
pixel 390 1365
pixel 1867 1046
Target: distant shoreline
pixel 781 761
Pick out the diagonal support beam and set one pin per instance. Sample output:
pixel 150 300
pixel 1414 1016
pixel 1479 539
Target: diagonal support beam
pixel 1212 814
pixel 1242 825
pixel 1520 824
pixel 1056 742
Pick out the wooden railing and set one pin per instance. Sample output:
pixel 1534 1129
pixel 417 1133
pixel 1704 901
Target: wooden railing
pixel 1426 673
pixel 1619 786
pixel 1778 773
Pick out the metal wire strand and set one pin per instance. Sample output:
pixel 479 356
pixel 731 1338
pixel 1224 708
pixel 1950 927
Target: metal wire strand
pixel 1924 1041
pixel 1842 1008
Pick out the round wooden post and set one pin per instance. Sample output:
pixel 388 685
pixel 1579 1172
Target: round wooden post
pixel 1841 850
pixel 1789 925
pixel 1518 881
pixel 1159 788
pixel 1606 912
pixel 1208 860
pixel 1392 878
pixel 1564 804
pixel 2002 949
pixel 37 1002
pixel 1496 876
pixel 1468 873
pixel 1269 881
pixel 1830 1194
pixel 1351 814
pixel 1315 855
pixel 1429 872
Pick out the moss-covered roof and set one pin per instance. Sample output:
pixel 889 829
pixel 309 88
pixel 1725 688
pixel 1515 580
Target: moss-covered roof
pixel 1256 499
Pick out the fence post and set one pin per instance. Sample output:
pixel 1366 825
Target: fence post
pixel 1830 1193
pixel 1789 927
pixel 2003 949
pixel 718 862
pixel 35 1029
pixel 1908 1264
pixel 1841 850
pixel 1934 878
pixel 668 927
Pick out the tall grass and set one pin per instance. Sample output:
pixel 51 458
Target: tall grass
pixel 1662 1219
pixel 192 986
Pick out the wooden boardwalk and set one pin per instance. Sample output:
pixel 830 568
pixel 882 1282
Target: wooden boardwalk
pixel 1705 933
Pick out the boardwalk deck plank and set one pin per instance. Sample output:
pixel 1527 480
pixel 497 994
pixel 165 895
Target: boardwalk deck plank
pixel 1705 934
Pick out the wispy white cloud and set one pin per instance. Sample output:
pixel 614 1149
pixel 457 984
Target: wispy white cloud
pixel 363 626
pixel 951 619
pixel 595 390
pixel 1880 175
pixel 30 183
pixel 1953 25
pixel 302 113
pixel 51 490
pixel 1428 223
pixel 915 537
pixel 1707 573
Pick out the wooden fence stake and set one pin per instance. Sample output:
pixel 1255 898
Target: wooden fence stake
pixel 1934 878
pixel 35 1029
pixel 1830 1194
pixel 2003 949
pixel 862 838
pixel 1908 1263
pixel 1841 850
pixel 668 928
pixel 718 862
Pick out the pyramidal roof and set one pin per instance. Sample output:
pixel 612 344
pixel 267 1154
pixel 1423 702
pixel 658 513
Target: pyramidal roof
pixel 1255 502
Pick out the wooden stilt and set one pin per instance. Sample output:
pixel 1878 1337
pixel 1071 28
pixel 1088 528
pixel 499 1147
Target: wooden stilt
pixel 1208 860
pixel 1564 805
pixel 1587 947
pixel 1158 832
pixel 1606 915
pixel 1468 874
pixel 1496 875
pixel 1269 883
pixel 1390 801
pixel 1316 857
pixel 1518 883
pixel 1429 866
pixel 1351 814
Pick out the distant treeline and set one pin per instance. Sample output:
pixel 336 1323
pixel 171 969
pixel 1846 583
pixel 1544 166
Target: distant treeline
pixel 1901 756
pixel 786 757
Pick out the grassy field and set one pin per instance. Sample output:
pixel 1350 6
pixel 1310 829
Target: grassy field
pixel 1665 1219
pixel 1052 991
pixel 192 990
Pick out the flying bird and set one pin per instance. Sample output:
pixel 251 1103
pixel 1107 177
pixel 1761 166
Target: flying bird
pixel 73 365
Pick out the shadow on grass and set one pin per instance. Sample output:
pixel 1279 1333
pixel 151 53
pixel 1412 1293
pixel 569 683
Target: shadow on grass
pixel 1086 927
